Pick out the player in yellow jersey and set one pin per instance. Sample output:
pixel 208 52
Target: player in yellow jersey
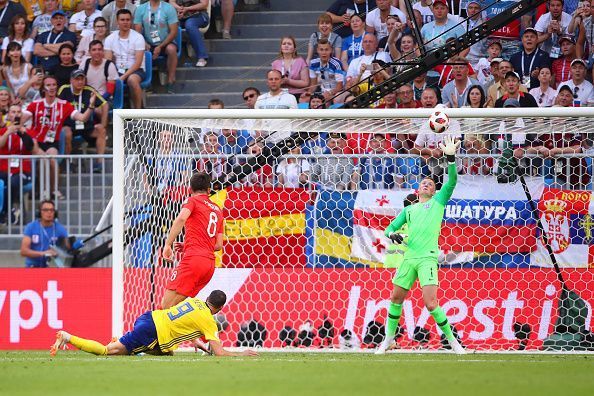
pixel 160 332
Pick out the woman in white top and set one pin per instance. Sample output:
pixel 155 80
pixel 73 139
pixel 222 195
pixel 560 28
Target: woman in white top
pixel 18 31
pixel 16 69
pixel 101 33
pixel 293 172
pixel 544 94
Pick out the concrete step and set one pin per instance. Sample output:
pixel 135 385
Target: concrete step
pixel 96 205
pixel 301 5
pixel 221 72
pixel 11 258
pixel 86 179
pixel 297 16
pixel 261 59
pixel 87 192
pixel 273 30
pixel 194 101
pixel 219 86
pixel 254 45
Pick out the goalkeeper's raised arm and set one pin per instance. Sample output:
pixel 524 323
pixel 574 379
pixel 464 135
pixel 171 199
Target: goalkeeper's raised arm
pixel 449 147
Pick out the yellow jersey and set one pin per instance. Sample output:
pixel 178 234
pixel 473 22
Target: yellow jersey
pixel 186 321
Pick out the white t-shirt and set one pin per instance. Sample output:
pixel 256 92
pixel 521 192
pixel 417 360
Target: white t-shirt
pixel 27 44
pixel 584 91
pixel 284 100
pixel 84 23
pixel 429 139
pixel 292 171
pixel 425 11
pixel 544 99
pixel 124 50
pixel 355 65
pixel 543 24
pixel 374 20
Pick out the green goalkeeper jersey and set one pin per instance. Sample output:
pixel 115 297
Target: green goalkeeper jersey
pixel 424 221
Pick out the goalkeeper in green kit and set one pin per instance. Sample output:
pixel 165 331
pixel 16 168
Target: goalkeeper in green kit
pixel 420 260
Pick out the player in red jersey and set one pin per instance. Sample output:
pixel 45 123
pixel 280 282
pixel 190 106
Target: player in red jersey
pixel 203 220
pixel 48 116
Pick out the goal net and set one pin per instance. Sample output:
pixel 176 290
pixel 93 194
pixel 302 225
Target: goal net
pixel 307 195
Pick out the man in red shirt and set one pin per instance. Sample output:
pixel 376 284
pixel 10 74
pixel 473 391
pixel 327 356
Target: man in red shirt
pixel 203 220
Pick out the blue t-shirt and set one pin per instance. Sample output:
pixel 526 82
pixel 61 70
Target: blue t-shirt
pixel 377 173
pixel 54 38
pixel 353 46
pixel 431 31
pixel 42 238
pixel 155 23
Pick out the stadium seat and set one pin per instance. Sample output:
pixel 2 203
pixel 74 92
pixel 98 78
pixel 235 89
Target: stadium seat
pixel 148 69
pixel 303 105
pixel 118 95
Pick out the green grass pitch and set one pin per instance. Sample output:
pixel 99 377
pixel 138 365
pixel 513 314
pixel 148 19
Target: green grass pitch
pixel 77 373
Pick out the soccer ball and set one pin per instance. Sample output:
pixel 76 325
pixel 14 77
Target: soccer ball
pixel 439 121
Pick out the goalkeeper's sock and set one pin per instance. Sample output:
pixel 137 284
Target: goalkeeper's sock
pixel 89 346
pixel 394 313
pixel 442 321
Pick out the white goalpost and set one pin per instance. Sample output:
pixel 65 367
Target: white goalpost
pixel 305 263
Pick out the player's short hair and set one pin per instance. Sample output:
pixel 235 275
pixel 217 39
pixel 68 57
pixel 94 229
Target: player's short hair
pixel 217 298
pixel 200 181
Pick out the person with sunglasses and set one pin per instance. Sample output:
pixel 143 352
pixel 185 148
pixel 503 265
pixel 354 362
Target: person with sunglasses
pixel 250 96
pixel 582 90
pixel 81 23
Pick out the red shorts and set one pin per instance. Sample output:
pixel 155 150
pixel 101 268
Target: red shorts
pixel 191 275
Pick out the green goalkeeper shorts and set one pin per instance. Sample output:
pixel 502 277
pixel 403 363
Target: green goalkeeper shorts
pixel 423 268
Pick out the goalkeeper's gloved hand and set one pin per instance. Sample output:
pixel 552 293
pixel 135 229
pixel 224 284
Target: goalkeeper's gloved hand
pixel 396 237
pixel 449 147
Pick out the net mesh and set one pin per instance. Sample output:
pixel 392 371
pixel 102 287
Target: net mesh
pixel 305 262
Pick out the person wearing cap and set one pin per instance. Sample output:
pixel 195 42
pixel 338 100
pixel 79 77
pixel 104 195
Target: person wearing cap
pixel 79 95
pixel 512 86
pixel 47 45
pixel 583 91
pixel 552 25
pixel 483 66
pixel 561 67
pixel 8 10
pixel 81 23
pixel 530 59
pixel 497 89
pixel 43 22
pixel 442 28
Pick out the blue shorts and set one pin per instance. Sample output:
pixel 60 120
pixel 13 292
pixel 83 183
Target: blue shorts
pixel 143 337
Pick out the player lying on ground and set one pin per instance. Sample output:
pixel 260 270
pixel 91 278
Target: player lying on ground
pixel 420 260
pixel 203 221
pixel 160 332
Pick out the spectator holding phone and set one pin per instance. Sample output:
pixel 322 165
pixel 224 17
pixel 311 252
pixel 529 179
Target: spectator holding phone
pixel 29 91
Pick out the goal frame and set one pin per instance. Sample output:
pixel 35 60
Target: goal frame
pixel 120 115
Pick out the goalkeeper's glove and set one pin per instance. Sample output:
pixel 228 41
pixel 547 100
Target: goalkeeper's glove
pixel 396 237
pixel 449 147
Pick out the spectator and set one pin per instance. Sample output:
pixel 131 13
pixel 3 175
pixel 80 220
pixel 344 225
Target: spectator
pixel 528 62
pixel 454 92
pixel 377 172
pixel 423 13
pixel 406 98
pixel 193 17
pixel 157 22
pixel 334 172
pixel 42 236
pixel 484 65
pixel 5 100
pixel 109 12
pixel 227 12
pixel 326 74
pixel 376 19
pixel 360 68
pixel 100 33
pixel 342 10
pixel 583 91
pixel 391 102
pixel 250 96
pixel 276 98
pixel 293 172
pixel 71 6
pixel 352 46
pixel 419 84
pixel 408 50
pixel 587 27
pixel 43 22
pixel 66 66
pixel 33 8
pixel 512 87
pixel 405 141
pixel 8 10
pixel 561 66
pixel 475 18
pixel 17 31
pixel 497 90
pixel 446 70
pixel 101 73
pixel 206 163
pixel 81 23
pixel 29 91
pixel 544 94
pixel 475 143
pixel 16 69
pixel 170 167
pixel 394 28
pixel 551 26
pixel 48 116
pixel 15 173
pixel 94 130
pixel 125 48
pixel 324 32
pixel 292 67
pixel 262 177
pixel 437 32
pixel 48 44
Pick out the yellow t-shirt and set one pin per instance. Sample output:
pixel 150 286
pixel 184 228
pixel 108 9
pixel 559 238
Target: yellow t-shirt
pixel 69 6
pixel 186 321
pixel 33 8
